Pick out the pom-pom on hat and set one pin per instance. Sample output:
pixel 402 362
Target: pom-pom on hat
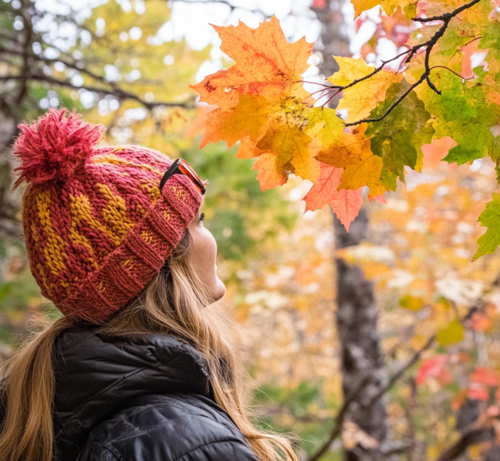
pixel 96 226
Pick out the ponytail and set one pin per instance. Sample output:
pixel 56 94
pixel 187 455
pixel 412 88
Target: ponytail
pixel 28 386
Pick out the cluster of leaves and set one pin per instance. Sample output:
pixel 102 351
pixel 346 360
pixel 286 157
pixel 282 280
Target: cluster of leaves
pixel 387 115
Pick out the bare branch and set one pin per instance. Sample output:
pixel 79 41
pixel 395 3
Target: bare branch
pixel 116 92
pixel 28 35
pixel 339 420
pixel 71 65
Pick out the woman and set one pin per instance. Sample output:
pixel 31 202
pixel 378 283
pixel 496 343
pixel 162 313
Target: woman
pixel 137 369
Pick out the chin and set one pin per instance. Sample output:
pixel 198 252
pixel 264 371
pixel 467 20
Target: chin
pixel 220 290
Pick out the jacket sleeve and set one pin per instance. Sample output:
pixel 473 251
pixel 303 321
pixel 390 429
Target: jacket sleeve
pixel 222 450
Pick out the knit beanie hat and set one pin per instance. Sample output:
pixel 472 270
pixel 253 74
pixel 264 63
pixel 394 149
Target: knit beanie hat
pixel 96 226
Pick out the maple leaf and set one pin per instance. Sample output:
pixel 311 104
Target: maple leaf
pixel 348 150
pixel 290 145
pixel 359 100
pixel 398 137
pixel 436 151
pixel 334 145
pixel 490 218
pixel 463 113
pixel 486 377
pixel 432 367
pixel 233 124
pixel 389 6
pixel 268 175
pixel 345 203
pixel 248 148
pixel 265 64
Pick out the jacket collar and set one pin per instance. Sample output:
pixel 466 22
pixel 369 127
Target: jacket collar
pixel 98 376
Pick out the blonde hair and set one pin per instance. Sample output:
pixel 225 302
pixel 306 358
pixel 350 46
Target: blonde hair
pixel 174 303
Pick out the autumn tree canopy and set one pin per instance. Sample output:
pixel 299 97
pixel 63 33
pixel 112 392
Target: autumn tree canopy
pixel 384 118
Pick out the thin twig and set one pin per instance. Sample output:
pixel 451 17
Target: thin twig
pixel 319 91
pixel 448 16
pixel 377 70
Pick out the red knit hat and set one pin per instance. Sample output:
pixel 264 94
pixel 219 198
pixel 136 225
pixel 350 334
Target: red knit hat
pixel 97 227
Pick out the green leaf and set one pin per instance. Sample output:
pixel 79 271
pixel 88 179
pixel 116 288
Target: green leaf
pixel 489 218
pixel 451 334
pixel 464 113
pixel 399 136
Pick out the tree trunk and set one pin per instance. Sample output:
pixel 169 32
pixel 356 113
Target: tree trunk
pixel 360 347
pixel 356 310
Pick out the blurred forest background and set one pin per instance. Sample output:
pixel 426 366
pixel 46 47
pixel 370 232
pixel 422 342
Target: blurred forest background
pixel 381 344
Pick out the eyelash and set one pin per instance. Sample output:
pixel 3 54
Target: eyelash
pixel 202 217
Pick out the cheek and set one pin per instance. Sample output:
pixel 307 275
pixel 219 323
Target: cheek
pixel 204 249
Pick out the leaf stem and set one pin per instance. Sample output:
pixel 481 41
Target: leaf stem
pixel 333 95
pixel 313 83
pixel 452 71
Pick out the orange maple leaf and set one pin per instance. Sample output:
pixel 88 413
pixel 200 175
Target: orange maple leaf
pixel 268 176
pixel 265 64
pixel 345 203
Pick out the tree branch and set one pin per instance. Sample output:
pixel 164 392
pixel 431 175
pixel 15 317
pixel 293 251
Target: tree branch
pixel 399 374
pixel 469 437
pixel 429 45
pixel 116 92
pixel 394 104
pixel 339 420
pixel 68 64
pixel 23 87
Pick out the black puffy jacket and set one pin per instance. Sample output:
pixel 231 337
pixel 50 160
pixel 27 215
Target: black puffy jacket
pixel 145 398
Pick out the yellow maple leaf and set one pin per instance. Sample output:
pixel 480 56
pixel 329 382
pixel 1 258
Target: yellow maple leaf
pixel 290 144
pixel 336 146
pixel 389 6
pixel 363 167
pixel 362 98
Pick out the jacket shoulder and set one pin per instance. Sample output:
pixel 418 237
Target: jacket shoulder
pixel 177 427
